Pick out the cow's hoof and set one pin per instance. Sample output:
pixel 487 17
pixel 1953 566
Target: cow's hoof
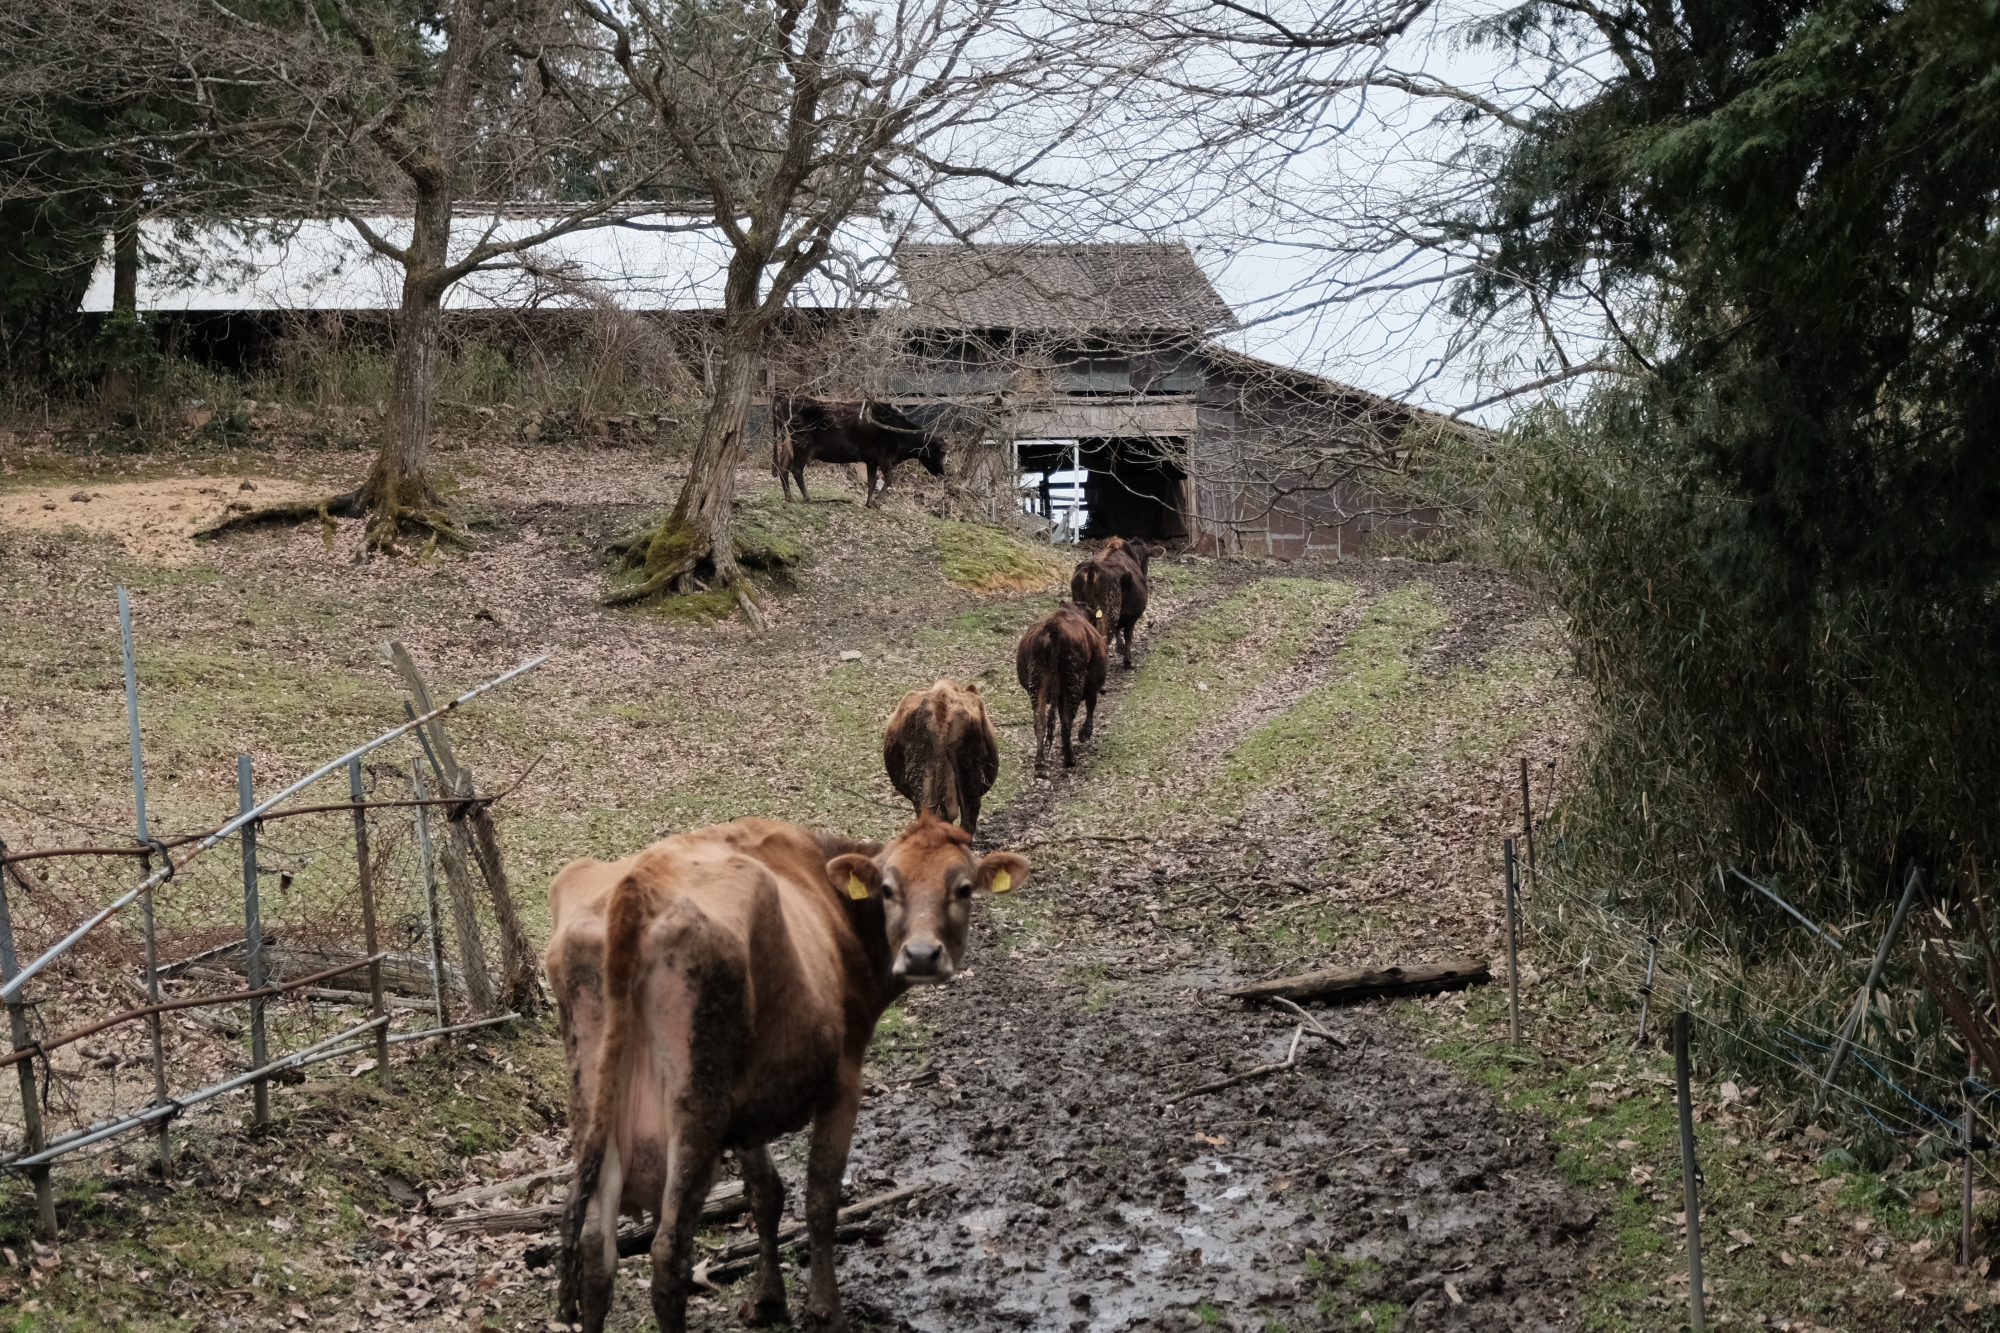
pixel 771 1310
pixel 820 1322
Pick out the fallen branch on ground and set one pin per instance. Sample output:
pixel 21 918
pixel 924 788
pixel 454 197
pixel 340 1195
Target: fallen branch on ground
pixel 1359 983
pixel 1290 1059
pixel 725 1200
pixel 1310 1023
pixel 635 1239
pixel 501 1188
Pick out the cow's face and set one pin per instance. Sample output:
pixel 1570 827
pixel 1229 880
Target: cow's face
pixel 925 881
pixel 931 455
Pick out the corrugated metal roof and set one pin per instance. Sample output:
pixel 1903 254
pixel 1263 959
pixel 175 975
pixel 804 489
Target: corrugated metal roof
pixel 1107 288
pixel 646 264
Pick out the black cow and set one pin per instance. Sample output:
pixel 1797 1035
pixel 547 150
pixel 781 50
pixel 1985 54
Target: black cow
pixel 805 430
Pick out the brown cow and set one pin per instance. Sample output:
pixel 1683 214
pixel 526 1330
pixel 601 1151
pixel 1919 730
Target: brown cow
pixel 804 430
pixel 1060 662
pixel 941 752
pixel 1117 586
pixel 1095 590
pixel 719 989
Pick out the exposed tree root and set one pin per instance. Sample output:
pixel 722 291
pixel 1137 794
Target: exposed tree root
pixel 387 523
pixel 345 505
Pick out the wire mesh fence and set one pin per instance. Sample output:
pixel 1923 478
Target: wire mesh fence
pixel 340 928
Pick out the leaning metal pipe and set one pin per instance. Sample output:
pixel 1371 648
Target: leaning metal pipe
pixel 166 871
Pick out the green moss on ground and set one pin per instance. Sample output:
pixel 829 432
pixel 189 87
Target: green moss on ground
pixel 989 559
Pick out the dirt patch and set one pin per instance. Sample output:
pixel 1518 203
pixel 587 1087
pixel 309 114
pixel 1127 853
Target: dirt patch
pixel 153 520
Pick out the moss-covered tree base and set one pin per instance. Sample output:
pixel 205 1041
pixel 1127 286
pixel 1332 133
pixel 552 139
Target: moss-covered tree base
pixel 679 557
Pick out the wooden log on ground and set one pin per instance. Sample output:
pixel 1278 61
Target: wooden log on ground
pixel 1367 983
pixel 725 1200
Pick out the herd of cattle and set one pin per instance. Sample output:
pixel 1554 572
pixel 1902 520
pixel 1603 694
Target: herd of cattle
pixel 719 988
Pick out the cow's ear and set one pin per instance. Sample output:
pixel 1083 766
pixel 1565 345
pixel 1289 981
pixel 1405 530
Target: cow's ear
pixel 1001 872
pixel 855 877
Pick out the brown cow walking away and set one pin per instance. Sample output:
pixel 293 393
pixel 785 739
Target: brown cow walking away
pixel 940 751
pixel 1115 584
pixel 719 989
pixel 805 430
pixel 1060 662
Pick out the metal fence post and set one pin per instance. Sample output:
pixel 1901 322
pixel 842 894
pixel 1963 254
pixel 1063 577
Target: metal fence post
pixel 427 869
pixel 1646 991
pixel 1965 1199
pixel 31 1106
pixel 253 939
pixel 367 880
pixel 146 869
pixel 1528 822
pixel 1690 1173
pixel 1513 961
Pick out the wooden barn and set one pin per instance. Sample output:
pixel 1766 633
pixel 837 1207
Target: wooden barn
pixel 1097 365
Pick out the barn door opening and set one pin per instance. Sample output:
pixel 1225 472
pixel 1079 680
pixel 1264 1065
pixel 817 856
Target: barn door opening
pixel 1049 479
pixel 1134 488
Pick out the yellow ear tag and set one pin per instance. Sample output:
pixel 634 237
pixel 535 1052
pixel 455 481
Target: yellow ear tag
pixel 1002 881
pixel 1100 615
pixel 855 888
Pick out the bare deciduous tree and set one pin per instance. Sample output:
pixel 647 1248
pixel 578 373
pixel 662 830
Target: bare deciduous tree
pixel 814 117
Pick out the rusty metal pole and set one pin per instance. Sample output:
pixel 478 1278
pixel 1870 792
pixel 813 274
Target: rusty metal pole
pixel 367 875
pixel 31 1106
pixel 145 869
pixel 1513 961
pixel 253 940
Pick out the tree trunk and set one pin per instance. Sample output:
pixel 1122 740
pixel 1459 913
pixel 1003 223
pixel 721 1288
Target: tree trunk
pixel 701 526
pixel 398 490
pixel 121 344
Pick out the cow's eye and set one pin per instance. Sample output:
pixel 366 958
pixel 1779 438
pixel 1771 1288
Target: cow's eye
pixel 964 890
pixel 888 892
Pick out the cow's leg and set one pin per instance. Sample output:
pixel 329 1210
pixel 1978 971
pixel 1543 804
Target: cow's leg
pixel 832 1135
pixel 888 469
pixel 1068 707
pixel 785 480
pixel 870 501
pixel 598 1244
pixel 799 475
pixel 690 1167
pixel 1044 728
pixel 1089 717
pixel 766 1191
pixel 968 803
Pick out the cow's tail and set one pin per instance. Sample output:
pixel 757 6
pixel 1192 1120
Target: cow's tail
pixel 625 924
pixel 1048 685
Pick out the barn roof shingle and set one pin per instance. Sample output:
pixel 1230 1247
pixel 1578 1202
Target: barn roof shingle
pixel 1103 288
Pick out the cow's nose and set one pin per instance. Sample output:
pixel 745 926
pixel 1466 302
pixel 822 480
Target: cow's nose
pixel 921 958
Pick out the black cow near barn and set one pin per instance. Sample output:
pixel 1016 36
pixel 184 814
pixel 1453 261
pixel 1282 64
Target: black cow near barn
pixel 881 435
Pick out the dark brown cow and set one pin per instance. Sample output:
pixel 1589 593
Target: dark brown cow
pixel 1096 591
pixel 805 430
pixel 941 752
pixel 719 989
pixel 1115 584
pixel 1060 662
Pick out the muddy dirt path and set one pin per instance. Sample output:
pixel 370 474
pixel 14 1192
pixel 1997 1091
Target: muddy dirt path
pixel 1366 1187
